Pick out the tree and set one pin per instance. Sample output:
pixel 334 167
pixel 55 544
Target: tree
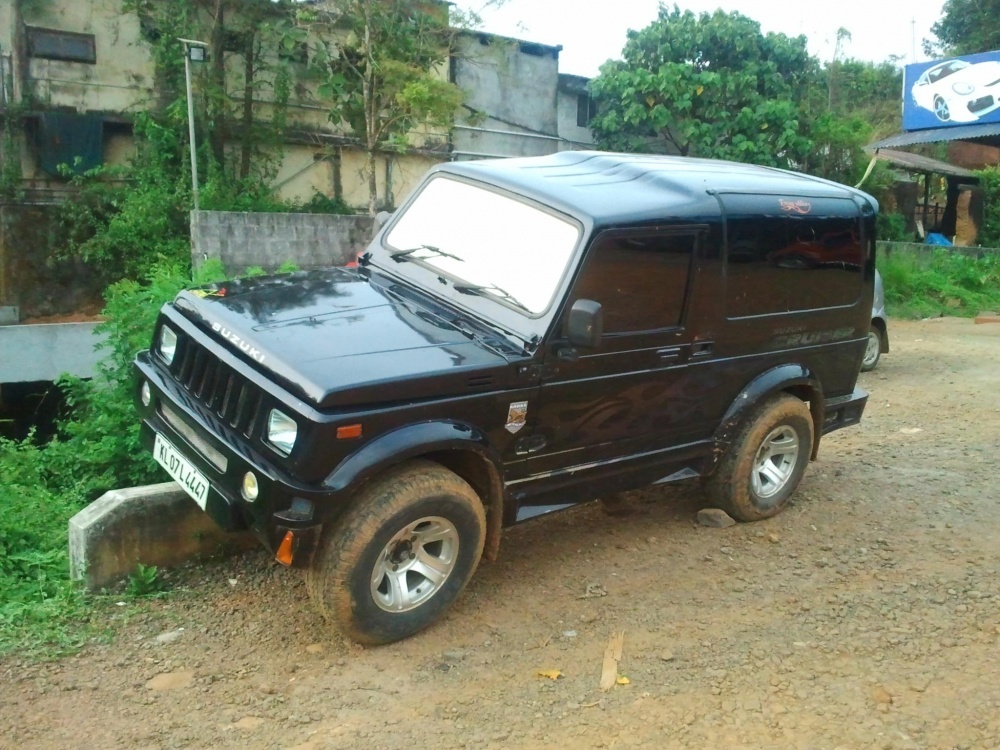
pixel 966 27
pixel 379 64
pixel 247 29
pixel 710 85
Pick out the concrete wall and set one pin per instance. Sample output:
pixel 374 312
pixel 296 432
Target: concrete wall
pixel 33 277
pixel 518 103
pixel 571 90
pixel 121 80
pixel 35 353
pixel 244 240
pixel 153 525
pixel 513 87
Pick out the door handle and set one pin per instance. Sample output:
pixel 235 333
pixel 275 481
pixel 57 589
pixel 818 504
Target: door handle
pixel 701 348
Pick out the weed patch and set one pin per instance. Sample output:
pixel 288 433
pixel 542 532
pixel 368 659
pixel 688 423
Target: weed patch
pixel 922 284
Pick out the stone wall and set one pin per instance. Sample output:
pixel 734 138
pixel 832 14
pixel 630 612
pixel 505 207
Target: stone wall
pixel 33 278
pixel 245 240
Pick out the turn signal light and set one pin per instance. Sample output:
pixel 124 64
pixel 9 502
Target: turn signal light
pixel 284 555
pixel 349 431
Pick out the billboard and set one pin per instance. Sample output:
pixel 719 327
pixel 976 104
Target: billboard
pixel 957 91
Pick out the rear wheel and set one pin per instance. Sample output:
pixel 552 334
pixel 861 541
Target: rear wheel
pixel 873 350
pixel 401 554
pixel 759 473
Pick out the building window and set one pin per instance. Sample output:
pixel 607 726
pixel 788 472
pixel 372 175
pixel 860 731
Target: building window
pixel 51 44
pixel 586 108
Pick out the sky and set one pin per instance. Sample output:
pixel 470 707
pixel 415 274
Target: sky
pixel 592 31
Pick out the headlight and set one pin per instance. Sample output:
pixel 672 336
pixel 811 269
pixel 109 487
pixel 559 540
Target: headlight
pixel 281 432
pixel 964 88
pixel 167 344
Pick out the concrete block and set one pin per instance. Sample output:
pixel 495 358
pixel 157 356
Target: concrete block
pixel 987 317
pixel 153 525
pixel 46 351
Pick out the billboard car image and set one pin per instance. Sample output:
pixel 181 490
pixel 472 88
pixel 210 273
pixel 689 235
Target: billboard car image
pixel 958 91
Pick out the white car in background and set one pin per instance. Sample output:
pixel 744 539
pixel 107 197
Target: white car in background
pixel 878 334
pixel 959 91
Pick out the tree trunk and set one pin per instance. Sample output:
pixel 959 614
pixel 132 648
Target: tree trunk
pixel 246 147
pixel 371 121
pixel 217 110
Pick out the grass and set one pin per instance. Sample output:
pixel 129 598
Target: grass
pixel 42 613
pixel 932 283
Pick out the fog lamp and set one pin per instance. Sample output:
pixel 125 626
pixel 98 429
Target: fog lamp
pixel 250 489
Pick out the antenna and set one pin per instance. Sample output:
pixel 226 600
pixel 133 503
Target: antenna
pixel 913 39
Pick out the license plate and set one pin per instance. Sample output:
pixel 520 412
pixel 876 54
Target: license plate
pixel 189 478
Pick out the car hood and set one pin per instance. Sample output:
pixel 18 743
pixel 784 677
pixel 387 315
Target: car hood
pixel 340 337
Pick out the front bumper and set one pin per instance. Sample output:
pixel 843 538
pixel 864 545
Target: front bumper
pixel 223 458
pixel 844 411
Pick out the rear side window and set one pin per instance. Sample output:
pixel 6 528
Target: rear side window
pixel 640 279
pixel 808 255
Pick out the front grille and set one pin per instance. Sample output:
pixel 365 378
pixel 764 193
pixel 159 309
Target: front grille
pixel 216 386
pixel 983 102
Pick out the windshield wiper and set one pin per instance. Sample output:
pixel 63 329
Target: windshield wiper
pixel 401 255
pixel 481 290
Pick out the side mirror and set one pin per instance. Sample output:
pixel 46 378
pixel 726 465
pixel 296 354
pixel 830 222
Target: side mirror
pixel 585 325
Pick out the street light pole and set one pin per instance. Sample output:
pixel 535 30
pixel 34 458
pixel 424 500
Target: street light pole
pixel 189 50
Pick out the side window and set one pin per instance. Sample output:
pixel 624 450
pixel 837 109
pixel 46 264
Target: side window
pixel 786 264
pixel 640 279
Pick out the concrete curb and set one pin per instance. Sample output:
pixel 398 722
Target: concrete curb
pixel 153 525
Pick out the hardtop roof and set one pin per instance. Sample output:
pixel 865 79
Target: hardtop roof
pixel 617 189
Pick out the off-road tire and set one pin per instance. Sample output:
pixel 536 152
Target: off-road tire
pixel 731 487
pixel 340 578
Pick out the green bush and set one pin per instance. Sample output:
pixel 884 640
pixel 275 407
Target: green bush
pixel 97 449
pixel 989 233
pixel 891 227
pixel 929 283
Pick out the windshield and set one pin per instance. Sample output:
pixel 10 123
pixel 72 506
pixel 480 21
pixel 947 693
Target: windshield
pixel 494 245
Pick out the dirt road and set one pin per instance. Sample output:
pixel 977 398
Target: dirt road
pixel 866 616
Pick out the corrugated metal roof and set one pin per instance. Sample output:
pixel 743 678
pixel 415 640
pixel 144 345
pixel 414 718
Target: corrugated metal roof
pixel 918 163
pixel 988 133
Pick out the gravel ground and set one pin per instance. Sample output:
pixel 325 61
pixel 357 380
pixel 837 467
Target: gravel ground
pixel 865 616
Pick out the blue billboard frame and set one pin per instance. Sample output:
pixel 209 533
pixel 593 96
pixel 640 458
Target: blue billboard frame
pixel 956 91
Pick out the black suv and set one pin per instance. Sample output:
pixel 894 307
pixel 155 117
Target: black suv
pixel 522 336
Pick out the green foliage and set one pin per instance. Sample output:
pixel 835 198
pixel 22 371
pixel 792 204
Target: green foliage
pixel 97 450
pixel 928 283
pixel 838 143
pixel 966 27
pixel 710 85
pixel 375 62
pixel 37 601
pixel 123 218
pixel 144 581
pixel 989 182
pixel 891 227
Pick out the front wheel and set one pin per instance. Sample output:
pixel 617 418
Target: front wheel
pixel 763 466
pixel 400 555
pixel 873 350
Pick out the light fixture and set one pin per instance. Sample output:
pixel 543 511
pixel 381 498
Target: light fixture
pixel 145 394
pixel 281 432
pixel 250 489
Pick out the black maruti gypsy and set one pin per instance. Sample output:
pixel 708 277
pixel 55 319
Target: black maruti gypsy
pixel 522 336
